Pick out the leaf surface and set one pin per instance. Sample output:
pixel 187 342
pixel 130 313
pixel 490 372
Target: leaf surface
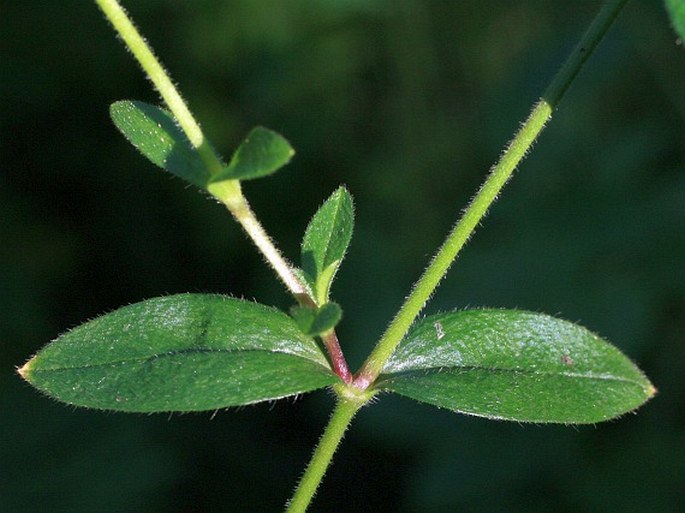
pixel 514 365
pixel 154 133
pixel 676 11
pixel 262 153
pixel 188 352
pixel 326 240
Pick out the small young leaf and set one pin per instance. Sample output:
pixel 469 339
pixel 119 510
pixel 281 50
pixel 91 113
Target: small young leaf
pixel 315 321
pixel 513 365
pixel 154 133
pixel 325 242
pixel 188 352
pixel 262 153
pixel 327 317
pixel 676 10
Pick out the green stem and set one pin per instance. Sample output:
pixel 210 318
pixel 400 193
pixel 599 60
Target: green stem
pixel 230 192
pixel 323 454
pixel 498 177
pixel 284 270
pixel 160 78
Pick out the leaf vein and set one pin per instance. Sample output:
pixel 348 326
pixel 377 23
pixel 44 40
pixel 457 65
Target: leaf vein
pixel 195 350
pixel 419 373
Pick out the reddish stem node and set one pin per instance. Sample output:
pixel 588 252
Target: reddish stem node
pixel 337 357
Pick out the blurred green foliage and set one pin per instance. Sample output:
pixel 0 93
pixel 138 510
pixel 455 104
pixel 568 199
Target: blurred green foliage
pixel 408 103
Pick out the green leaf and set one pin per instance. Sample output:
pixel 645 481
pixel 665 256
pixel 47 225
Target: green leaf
pixel 262 153
pixel 188 352
pixel 155 134
pixel 513 365
pixel 326 240
pixel 315 321
pixel 676 10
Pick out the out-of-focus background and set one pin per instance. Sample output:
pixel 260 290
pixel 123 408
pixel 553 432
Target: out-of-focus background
pixel 408 103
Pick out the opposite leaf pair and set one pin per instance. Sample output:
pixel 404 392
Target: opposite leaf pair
pixel 194 352
pixel 155 134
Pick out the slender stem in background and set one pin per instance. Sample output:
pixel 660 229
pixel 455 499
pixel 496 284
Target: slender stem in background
pixel 323 454
pixel 228 192
pixel 498 177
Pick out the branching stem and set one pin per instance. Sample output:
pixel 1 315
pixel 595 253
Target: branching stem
pixel 352 398
pixel 228 192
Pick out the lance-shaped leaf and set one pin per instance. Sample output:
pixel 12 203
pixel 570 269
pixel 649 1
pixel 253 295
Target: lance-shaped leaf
pixel 155 134
pixel 315 321
pixel 514 365
pixel 326 240
pixel 262 153
pixel 676 11
pixel 187 352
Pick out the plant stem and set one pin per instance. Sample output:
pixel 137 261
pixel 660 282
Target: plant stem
pixel 230 192
pixel 323 454
pixel 243 214
pixel 498 177
pixel 160 78
pixel 227 192
pixel 338 362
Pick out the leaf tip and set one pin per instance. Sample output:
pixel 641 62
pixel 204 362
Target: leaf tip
pixel 25 370
pixel 117 104
pixel 342 191
pixel 118 108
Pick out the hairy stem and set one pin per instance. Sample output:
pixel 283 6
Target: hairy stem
pixel 160 78
pixel 323 454
pixel 498 177
pixel 244 215
pixel 227 192
pixel 338 362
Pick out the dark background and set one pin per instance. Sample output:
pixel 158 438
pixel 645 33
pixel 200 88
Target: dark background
pixel 408 103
